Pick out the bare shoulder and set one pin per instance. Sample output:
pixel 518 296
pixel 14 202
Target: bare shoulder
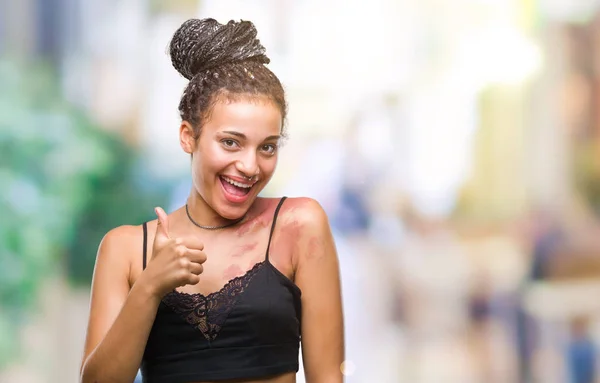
pixel 306 214
pixel 123 237
pixel 306 223
pixel 302 209
pixel 119 246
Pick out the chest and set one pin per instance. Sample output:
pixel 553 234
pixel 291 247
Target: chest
pixel 227 259
pixel 231 256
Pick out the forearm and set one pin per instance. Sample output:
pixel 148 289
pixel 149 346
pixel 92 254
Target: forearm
pixel 334 376
pixel 328 368
pixel 118 356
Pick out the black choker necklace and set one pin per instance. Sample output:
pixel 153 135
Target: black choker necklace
pixel 211 227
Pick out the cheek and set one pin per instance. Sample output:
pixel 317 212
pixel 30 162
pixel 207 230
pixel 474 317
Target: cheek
pixel 268 166
pixel 211 159
pixel 202 168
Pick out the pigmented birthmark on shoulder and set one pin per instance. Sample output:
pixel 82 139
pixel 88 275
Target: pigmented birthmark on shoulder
pixel 289 236
pixel 292 218
pixel 305 227
pixel 297 204
pixel 254 224
pixel 315 248
pixel 263 218
pixel 291 228
pixel 302 209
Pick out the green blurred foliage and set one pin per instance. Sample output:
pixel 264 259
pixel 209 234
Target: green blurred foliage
pixel 64 184
pixel 125 195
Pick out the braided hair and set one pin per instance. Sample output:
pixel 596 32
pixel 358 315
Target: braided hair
pixel 221 62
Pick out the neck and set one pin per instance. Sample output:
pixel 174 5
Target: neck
pixel 203 215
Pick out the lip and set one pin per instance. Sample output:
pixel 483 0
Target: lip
pixel 239 179
pixel 237 199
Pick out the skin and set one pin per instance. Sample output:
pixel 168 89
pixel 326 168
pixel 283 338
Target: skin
pixel 239 139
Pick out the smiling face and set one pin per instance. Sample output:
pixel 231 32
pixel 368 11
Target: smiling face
pixel 235 155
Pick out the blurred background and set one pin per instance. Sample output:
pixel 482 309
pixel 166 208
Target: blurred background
pixel 454 144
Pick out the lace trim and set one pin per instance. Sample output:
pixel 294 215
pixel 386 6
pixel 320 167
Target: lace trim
pixel 208 313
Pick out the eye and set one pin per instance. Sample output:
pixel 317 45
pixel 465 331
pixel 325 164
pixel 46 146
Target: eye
pixel 229 143
pixel 269 148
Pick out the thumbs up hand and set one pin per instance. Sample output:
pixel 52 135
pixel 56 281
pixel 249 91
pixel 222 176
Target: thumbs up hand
pixel 175 261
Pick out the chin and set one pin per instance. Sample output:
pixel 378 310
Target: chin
pixel 234 210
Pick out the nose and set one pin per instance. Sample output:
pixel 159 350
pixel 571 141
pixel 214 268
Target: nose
pixel 248 164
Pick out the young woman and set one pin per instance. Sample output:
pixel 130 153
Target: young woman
pixel 224 288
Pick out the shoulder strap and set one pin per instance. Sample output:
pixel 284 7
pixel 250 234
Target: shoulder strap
pixel 273 224
pixel 145 227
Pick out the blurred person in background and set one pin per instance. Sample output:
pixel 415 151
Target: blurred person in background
pixel 216 290
pixel 582 355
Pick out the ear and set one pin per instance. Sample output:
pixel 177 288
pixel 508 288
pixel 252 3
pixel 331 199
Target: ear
pixel 187 138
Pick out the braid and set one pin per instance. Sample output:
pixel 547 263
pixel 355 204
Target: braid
pixel 222 62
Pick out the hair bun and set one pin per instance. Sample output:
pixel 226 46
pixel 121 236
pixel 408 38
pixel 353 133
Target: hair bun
pixel 201 44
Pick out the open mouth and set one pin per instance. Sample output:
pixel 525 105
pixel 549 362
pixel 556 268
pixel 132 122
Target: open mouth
pixel 235 188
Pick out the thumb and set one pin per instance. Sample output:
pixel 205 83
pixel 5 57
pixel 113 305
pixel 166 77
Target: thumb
pixel 162 227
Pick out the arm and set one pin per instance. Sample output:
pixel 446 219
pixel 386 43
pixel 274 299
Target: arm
pixel 317 275
pixel 120 318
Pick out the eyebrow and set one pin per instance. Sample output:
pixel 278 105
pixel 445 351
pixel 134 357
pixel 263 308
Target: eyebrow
pixel 243 136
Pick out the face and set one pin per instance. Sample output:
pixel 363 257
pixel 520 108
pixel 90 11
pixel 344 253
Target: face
pixel 239 140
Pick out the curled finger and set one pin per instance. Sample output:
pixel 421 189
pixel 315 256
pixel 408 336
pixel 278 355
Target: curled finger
pixel 196 268
pixel 198 256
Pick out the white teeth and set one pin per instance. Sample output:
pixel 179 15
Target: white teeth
pixel 240 185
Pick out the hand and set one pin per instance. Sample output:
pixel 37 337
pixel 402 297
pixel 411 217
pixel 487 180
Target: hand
pixel 175 261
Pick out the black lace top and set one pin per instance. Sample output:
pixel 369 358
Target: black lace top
pixel 247 330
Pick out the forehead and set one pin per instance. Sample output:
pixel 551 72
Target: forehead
pixel 256 117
